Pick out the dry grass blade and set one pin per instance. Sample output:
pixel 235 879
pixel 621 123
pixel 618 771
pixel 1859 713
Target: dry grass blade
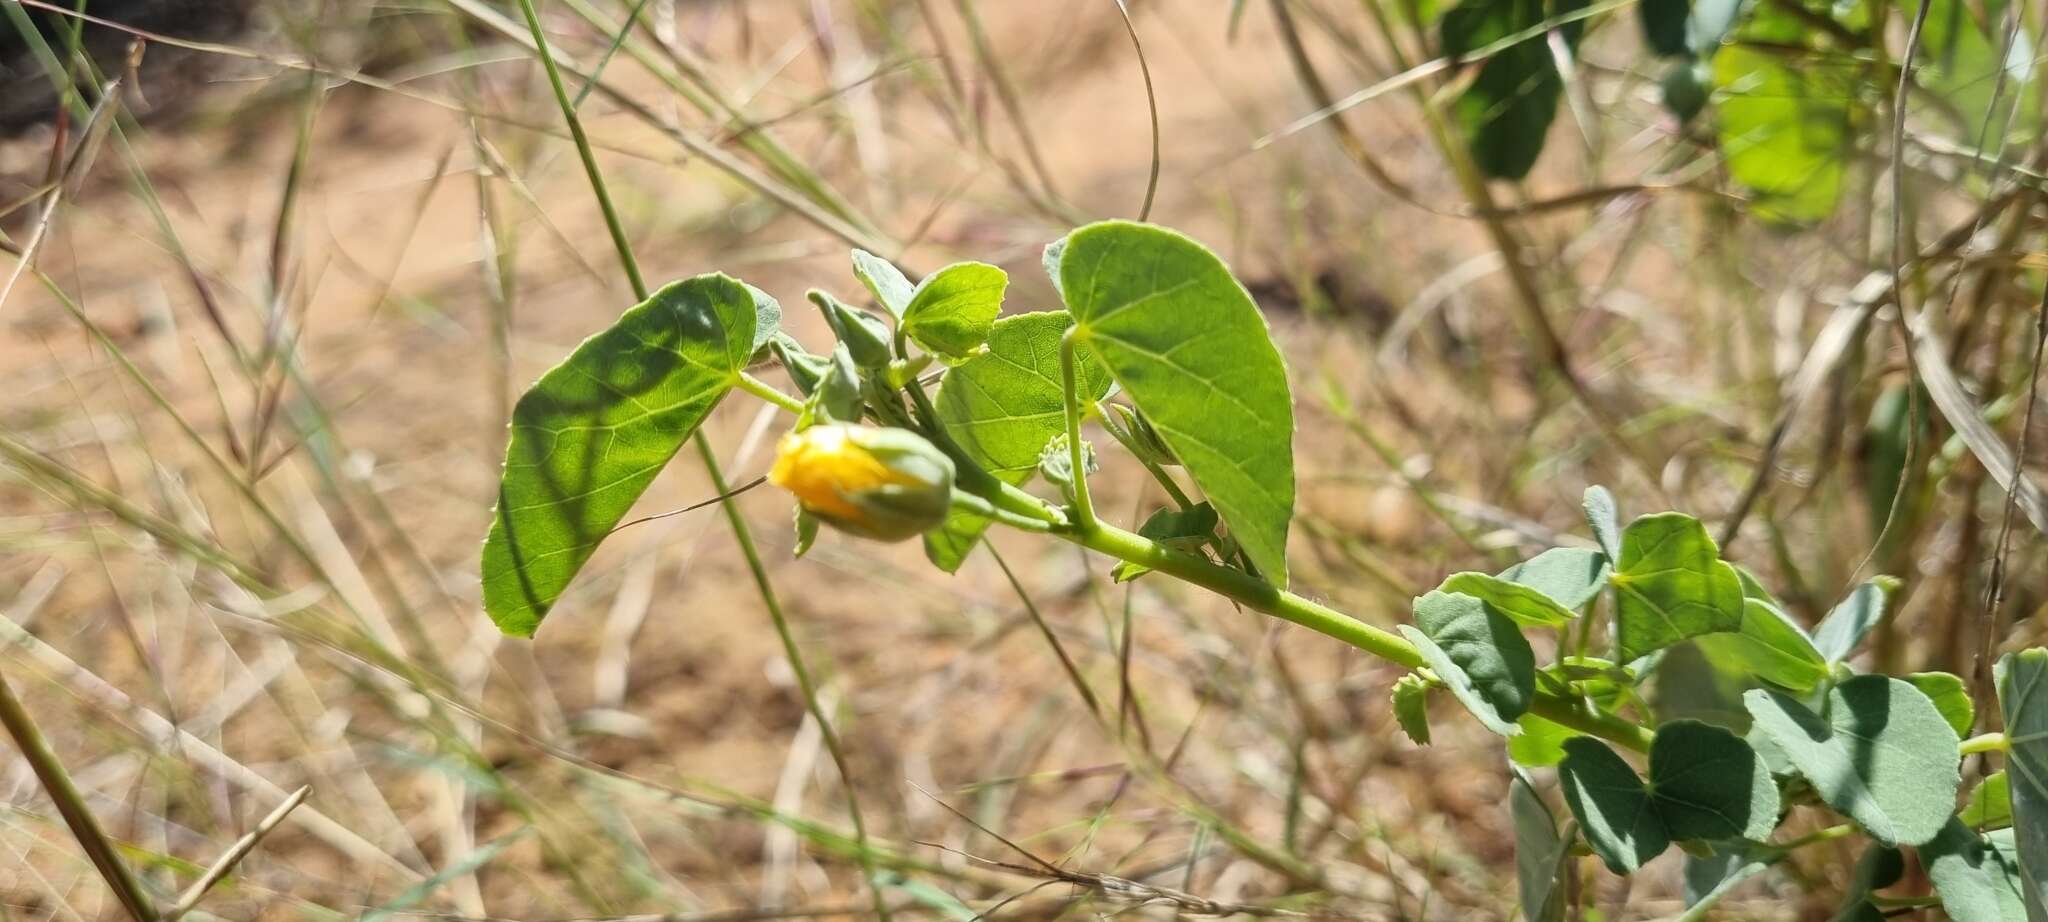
pixel 225 864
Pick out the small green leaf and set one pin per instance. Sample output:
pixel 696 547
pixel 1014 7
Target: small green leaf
pixel 1525 605
pixel 1570 576
pixel 1990 803
pixel 1708 784
pixel 1602 517
pixel 590 435
pixel 952 309
pixel 1542 856
pixel 1769 646
pixel 884 280
pixel 1184 338
pixel 1479 654
pixel 1671 584
pixel 1001 407
pixel 1844 628
pixel 1411 707
pixel 1612 805
pixel 1969 877
pixel 1949 697
pixel 2022 678
pixel 1883 755
pixel 1183 530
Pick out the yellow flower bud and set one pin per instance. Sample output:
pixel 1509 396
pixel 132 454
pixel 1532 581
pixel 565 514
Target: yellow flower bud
pixel 882 484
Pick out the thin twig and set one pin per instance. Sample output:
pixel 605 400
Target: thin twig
pixel 234 855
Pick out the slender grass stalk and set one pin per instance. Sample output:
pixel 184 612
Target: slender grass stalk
pixel 71 805
pixel 741 533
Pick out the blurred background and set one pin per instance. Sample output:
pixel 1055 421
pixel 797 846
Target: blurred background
pixel 275 271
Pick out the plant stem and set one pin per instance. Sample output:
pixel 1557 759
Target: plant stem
pixel 1985 742
pixel 71 805
pixel 768 392
pixel 1084 510
pixel 1261 596
pixel 741 533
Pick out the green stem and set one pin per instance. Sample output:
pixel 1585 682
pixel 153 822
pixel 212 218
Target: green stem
pixel 1261 596
pixel 741 533
pixel 768 392
pixel 71 805
pixel 1985 742
pixel 1084 510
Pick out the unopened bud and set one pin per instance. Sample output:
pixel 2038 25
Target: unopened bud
pixel 881 484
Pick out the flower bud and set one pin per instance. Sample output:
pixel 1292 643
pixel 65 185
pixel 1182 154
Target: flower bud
pixel 881 484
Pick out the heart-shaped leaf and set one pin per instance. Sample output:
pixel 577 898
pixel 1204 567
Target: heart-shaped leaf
pixel 1882 755
pixel 951 311
pixel 1670 584
pixel 1184 338
pixel 1525 605
pixel 1705 784
pixel 1479 654
pixel 1612 805
pixel 1001 407
pixel 2023 699
pixel 590 435
pixel 1709 878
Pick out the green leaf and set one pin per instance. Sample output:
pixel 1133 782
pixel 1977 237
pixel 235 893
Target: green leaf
pixel 1949 697
pixel 1524 605
pixel 1708 784
pixel 1709 878
pixel 2023 700
pixel 1601 516
pixel 1786 126
pixel 1183 530
pixel 1882 755
pixel 1570 576
pixel 884 280
pixel 1705 784
pixel 1969 877
pixel 953 308
pixel 1671 584
pixel 1768 646
pixel 1506 111
pixel 1183 337
pixel 1541 742
pixel 1844 628
pixel 1479 654
pixel 1542 856
pixel 1612 805
pixel 1990 803
pixel 1959 62
pixel 590 435
pixel 1410 699
pixel 1880 866
pixel 1001 407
